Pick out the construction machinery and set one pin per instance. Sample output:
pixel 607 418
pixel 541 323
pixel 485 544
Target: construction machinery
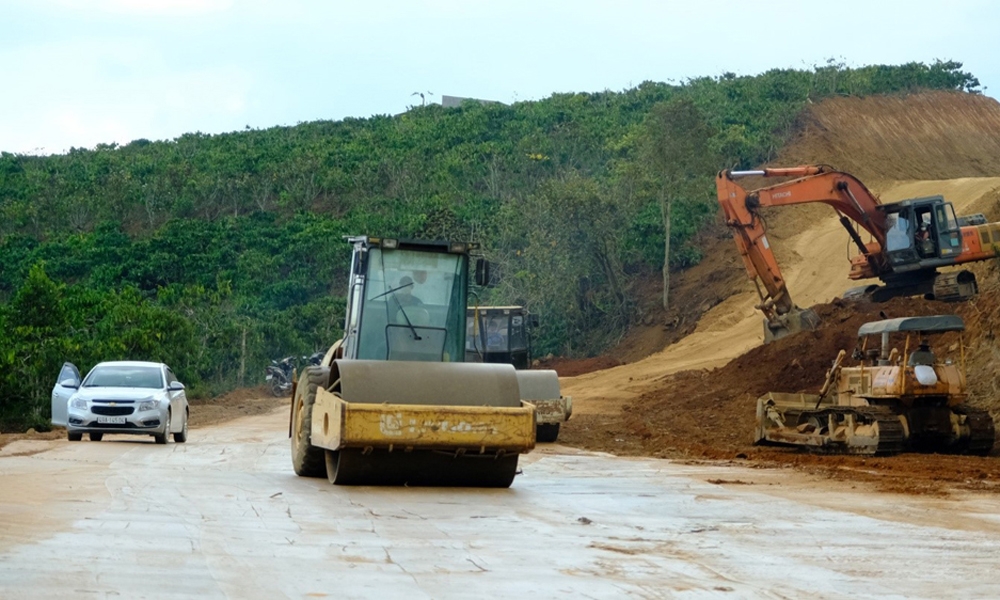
pixel 890 402
pixel 393 403
pixel 908 240
pixel 501 334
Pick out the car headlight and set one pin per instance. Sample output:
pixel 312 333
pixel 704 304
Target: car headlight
pixel 149 405
pixel 80 403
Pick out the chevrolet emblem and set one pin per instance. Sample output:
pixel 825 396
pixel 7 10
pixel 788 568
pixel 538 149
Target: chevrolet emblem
pixel 113 403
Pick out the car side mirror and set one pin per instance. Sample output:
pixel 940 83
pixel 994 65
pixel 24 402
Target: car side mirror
pixel 70 383
pixel 175 386
pixel 483 275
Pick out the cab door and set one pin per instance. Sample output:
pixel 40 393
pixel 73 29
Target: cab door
pixel 66 385
pixel 948 232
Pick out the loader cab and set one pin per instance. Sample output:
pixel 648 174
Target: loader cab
pixel 921 232
pixel 407 300
pixel 499 334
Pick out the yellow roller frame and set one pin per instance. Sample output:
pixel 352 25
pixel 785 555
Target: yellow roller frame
pixel 337 424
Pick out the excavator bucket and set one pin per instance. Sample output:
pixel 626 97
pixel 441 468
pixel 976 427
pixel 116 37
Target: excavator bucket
pixel 416 423
pixel 792 322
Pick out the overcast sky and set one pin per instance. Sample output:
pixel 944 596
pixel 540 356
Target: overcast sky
pixel 76 73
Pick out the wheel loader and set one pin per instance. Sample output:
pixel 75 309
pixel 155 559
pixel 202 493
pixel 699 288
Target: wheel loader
pixel 393 403
pixel 499 334
pixel 890 402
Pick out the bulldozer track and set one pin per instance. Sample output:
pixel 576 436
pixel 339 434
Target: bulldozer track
pixel 890 433
pixel 982 433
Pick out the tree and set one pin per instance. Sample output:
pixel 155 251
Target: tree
pixel 676 148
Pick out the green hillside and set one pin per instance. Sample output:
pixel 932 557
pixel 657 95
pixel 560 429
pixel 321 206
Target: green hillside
pixel 215 253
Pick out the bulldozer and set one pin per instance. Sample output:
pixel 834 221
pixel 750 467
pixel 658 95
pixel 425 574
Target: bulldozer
pixel 500 334
pixel 393 402
pixel 890 402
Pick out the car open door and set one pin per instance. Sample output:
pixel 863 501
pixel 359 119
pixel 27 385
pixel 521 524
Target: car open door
pixel 67 384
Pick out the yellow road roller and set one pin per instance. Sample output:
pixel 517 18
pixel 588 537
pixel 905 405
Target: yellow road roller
pixel 393 403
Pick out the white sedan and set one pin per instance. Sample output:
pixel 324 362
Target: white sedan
pixel 130 397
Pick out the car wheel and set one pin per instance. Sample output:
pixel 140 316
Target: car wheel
pixel 181 436
pixel 74 437
pixel 96 437
pixel 161 438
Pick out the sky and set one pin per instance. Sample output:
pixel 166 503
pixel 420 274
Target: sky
pixel 77 73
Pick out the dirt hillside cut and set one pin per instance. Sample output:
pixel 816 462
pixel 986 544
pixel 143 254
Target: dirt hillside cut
pixel 696 397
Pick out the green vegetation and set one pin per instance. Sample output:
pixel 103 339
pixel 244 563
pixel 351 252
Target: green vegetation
pixel 217 252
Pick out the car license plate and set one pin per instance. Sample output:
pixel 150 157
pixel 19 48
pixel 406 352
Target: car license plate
pixel 118 420
pixel 268 378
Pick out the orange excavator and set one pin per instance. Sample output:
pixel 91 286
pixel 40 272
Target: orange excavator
pixel 908 240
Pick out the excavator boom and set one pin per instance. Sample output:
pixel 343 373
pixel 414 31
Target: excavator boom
pixel 908 240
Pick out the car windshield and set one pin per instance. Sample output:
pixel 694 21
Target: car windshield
pixel 125 376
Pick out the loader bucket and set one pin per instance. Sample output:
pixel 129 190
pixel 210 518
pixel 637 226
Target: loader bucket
pixel 792 322
pixel 426 424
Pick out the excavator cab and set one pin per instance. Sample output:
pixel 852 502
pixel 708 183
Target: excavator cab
pixel 921 233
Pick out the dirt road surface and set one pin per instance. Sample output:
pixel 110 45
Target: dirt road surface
pixel 224 517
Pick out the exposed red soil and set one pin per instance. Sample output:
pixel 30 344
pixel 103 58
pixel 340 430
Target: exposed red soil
pixel 709 414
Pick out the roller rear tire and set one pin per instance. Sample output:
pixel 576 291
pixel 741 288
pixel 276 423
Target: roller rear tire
pixel 547 432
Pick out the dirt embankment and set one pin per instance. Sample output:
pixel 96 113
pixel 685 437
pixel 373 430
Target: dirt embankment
pixel 892 144
pixel 709 414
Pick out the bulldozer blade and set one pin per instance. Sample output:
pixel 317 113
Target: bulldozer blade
pixel 792 322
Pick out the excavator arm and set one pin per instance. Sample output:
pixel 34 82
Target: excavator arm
pixel 852 201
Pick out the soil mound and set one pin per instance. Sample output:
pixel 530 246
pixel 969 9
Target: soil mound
pixel 710 414
pixel 933 135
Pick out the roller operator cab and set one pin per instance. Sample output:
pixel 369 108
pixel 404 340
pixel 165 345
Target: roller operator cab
pixel 393 403
pixel 499 334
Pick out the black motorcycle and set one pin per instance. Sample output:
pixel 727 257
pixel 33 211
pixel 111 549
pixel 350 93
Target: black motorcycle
pixel 279 376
